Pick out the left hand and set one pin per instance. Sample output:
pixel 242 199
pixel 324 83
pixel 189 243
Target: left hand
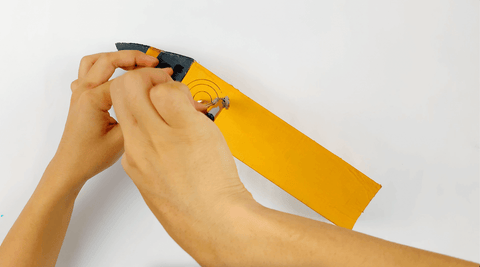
pixel 92 140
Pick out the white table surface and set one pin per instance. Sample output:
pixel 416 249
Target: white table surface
pixel 392 87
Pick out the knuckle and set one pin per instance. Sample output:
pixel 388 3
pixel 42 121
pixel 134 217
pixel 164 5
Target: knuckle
pixel 131 53
pixel 127 161
pixel 160 92
pixel 84 60
pixel 178 86
pixel 105 58
pixel 182 88
pixel 86 97
pixel 74 85
pixel 114 86
pixel 157 96
pixel 129 164
pixel 170 94
pixel 157 91
pixel 88 84
pixel 138 165
pixel 174 88
pixel 178 92
pixel 133 78
pixel 86 94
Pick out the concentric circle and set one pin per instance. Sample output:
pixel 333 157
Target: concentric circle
pixel 204 89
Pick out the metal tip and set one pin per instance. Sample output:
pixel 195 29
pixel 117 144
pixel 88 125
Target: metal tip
pixel 226 102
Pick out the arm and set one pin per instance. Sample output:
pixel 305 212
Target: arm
pixel 37 235
pixel 252 235
pixel 183 168
pixel 238 231
pixel 92 141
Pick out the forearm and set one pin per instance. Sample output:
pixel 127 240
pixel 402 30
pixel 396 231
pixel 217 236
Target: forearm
pixel 248 234
pixel 288 240
pixel 37 235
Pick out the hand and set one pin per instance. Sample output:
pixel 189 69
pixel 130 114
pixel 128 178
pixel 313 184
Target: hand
pixel 92 140
pixel 176 156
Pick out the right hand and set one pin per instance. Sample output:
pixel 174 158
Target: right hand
pixel 175 155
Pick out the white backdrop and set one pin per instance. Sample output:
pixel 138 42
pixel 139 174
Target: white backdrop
pixel 392 87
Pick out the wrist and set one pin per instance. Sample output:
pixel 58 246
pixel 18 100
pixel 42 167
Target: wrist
pixel 60 181
pixel 211 235
pixel 231 238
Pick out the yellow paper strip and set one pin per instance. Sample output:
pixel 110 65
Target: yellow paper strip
pixel 284 155
pixel 152 51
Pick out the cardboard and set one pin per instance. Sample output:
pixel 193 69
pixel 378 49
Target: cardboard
pixel 285 156
pixel 273 148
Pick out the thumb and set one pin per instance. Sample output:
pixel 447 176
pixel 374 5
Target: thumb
pixel 199 106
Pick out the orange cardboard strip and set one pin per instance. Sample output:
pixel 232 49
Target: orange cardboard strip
pixel 152 51
pixel 285 156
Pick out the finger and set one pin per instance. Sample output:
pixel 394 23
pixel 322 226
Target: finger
pixel 169 71
pixel 200 107
pixel 174 103
pixel 99 96
pixel 86 63
pixel 104 65
pixel 74 85
pixel 131 101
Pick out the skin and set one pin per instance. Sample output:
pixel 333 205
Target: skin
pixel 92 141
pixel 197 196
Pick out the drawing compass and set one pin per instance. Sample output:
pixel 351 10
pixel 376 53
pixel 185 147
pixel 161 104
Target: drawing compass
pixel 217 105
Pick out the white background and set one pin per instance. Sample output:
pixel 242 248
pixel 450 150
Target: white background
pixel 392 87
